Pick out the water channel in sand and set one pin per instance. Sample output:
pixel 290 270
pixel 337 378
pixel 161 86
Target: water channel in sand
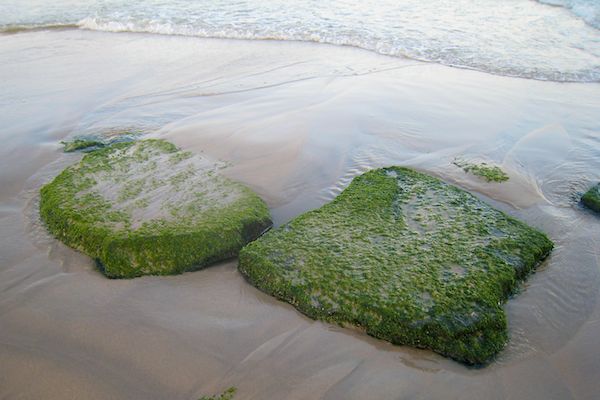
pixel 296 122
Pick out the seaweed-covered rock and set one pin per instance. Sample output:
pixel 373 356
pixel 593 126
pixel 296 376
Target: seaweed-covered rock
pixel 491 173
pixel 81 144
pixel 591 198
pixel 405 256
pixel 148 208
pixel 88 143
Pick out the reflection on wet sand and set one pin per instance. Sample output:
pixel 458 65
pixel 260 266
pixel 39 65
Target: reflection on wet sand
pixel 296 122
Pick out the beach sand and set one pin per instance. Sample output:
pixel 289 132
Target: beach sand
pixel 296 122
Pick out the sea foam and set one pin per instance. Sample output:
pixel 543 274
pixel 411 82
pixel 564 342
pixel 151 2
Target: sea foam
pixel 552 40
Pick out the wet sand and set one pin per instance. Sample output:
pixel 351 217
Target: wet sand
pixel 296 122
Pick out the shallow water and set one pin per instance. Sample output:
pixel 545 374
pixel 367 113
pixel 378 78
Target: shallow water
pixel 296 121
pixel 549 40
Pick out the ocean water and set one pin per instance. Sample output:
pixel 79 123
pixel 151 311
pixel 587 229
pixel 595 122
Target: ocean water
pixel 556 40
pixel 588 10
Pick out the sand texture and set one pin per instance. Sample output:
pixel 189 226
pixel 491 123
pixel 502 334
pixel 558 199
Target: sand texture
pixel 296 123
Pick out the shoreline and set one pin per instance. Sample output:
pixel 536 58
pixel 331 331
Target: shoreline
pixel 297 142
pixel 24 29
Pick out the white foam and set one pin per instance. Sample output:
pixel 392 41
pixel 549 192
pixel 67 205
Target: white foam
pixel 523 38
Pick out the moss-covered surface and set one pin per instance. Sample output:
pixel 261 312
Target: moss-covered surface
pixel 88 143
pixel 226 395
pixel 81 144
pixel 406 257
pixel 148 208
pixel 490 173
pixel 591 198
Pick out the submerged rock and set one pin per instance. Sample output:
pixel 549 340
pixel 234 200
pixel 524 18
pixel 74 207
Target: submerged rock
pixel 405 256
pixel 491 173
pixel 94 142
pixel 148 208
pixel 81 144
pixel 591 198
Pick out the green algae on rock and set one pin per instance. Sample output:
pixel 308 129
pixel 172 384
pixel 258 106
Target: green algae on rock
pixel 146 207
pixel 591 198
pixel 405 256
pixel 88 143
pixel 490 173
pixel 226 395
pixel 81 144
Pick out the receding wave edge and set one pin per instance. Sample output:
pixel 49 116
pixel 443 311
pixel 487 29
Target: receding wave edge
pixel 91 24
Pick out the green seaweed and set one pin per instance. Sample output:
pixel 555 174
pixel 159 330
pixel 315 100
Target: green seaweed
pixel 81 144
pixel 406 257
pixel 100 206
pixel 490 173
pixel 88 143
pixel 591 198
pixel 226 395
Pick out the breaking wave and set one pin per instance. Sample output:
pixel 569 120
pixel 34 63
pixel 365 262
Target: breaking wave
pixel 513 38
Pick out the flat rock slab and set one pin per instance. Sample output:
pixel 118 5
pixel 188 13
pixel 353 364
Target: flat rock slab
pixel 405 256
pixel 591 198
pixel 147 207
